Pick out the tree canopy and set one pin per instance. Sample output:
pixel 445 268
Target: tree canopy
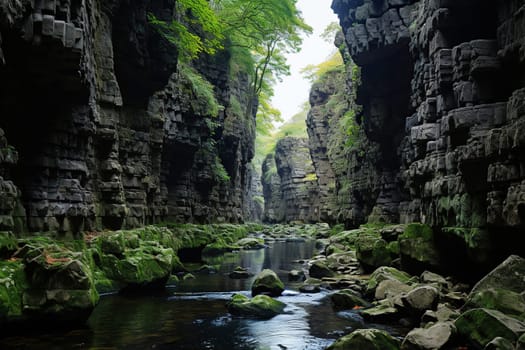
pixel 258 33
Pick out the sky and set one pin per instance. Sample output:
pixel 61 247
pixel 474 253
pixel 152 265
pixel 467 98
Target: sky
pixel 293 91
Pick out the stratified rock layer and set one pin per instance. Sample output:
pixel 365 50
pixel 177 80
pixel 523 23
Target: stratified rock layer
pixel 290 184
pixel 442 99
pixel 104 130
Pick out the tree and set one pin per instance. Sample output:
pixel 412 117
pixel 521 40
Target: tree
pixel 267 29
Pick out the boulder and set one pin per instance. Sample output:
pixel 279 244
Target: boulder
pixel 421 299
pixel 432 338
pixel 382 313
pixel 390 289
pixel 481 326
pixel 385 273
pixel 267 282
pixel 366 339
pixel 295 275
pixel 347 299
pixel 506 301
pixel 442 314
pixel 436 280
pixel 509 275
pixel 417 249
pixel 260 306
pixel 311 285
pixel 250 243
pixel 372 252
pixel 319 269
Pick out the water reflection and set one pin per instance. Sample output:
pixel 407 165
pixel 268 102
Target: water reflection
pixel 192 314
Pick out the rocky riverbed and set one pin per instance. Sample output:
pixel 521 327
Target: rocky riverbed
pixel 387 277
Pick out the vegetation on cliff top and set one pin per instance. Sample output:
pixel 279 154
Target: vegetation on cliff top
pixel 257 34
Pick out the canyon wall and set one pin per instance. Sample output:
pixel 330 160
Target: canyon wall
pixel 290 184
pixel 99 128
pixel 442 93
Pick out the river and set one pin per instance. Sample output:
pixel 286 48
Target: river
pixel 191 314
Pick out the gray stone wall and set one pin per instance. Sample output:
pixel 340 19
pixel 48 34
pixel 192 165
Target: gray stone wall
pixel 442 94
pixel 108 133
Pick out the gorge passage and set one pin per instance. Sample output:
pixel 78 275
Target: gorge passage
pixel 126 159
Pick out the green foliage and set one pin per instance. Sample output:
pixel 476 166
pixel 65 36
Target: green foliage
pixel 202 89
pixel 265 142
pixel 196 29
pixel 219 171
pixel 315 72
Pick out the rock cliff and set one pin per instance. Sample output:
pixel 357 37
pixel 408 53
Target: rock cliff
pixel 290 184
pixel 101 129
pixel 441 94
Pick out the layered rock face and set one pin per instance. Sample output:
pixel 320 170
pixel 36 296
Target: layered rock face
pixel 442 93
pixel 290 187
pixel 104 131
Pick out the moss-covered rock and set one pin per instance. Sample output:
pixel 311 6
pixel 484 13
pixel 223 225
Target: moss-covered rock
pixel 319 269
pixel 366 339
pixel 509 275
pixel 385 273
pixel 347 299
pixel 260 306
pixel 372 252
pixel 250 243
pixel 267 282
pixel 417 248
pixel 506 301
pixel 381 313
pixel 480 326
pixel 47 279
pixel 134 258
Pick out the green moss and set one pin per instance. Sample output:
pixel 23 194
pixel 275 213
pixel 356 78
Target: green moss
pixel 260 306
pixel 480 326
pixel 366 339
pixel 204 101
pixel 506 301
pixel 417 230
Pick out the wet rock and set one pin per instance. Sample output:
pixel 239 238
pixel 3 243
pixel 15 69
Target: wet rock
pixel 319 269
pixel 381 313
pixel 432 338
pixel 295 275
pixel 240 273
pixel 250 243
pixel 310 288
pixel 260 306
pixel 267 282
pixel 481 326
pixel 366 339
pixel 347 299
